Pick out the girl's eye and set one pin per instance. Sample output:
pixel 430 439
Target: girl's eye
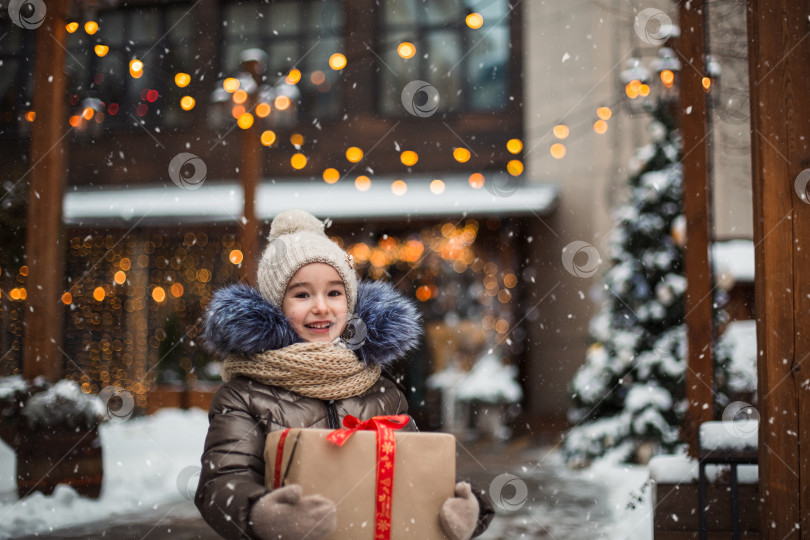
pixel 301 295
pixel 335 293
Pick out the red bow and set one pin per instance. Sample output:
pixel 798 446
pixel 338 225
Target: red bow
pixel 386 451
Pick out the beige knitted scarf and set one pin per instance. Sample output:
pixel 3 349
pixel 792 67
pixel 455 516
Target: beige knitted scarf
pixel 316 370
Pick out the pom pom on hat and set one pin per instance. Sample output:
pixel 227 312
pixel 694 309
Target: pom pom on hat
pixel 297 238
pixel 292 221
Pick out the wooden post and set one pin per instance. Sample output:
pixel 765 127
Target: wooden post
pixel 44 239
pixel 251 167
pixel 694 125
pixel 779 53
pixel 251 176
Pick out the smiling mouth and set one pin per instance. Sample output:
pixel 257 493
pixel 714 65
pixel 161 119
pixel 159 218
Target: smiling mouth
pixel 318 325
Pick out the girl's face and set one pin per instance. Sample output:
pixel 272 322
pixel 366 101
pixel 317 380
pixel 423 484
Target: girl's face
pixel 315 302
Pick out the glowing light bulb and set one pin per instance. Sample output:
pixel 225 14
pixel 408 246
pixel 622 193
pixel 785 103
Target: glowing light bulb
pixel 331 175
pixel 298 161
pixel 514 146
pixel 354 154
pixel 399 187
pixel 230 85
pixel 474 20
pixel 268 138
pixel 337 61
pixel 604 113
pixel 293 76
pixel 462 155
pixel 409 158
pixel 515 167
pixel 362 183
pixel 182 79
pixel 406 49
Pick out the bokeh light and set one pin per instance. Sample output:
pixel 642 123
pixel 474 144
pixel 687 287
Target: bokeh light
pixel 245 121
pixel 409 158
pixel 230 85
pixel 474 20
pixel 462 155
pixel 515 167
pixel 558 150
pixel 187 103
pixel 182 79
pixel 268 137
pixel 293 76
pixel 354 154
pixel 406 49
pixel 298 161
pixel 337 61
pixel 399 187
pixel 514 146
pixel 362 183
pixel 437 187
pixel 476 180
pixel 331 175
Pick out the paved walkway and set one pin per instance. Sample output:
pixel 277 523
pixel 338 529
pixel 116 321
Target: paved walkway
pixel 539 501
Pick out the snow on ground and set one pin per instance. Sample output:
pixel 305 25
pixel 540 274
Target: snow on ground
pixel 144 461
pixel 152 461
pixel 629 498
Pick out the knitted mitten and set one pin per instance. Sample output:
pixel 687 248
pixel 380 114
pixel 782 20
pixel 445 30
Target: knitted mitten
pixel 284 514
pixel 459 514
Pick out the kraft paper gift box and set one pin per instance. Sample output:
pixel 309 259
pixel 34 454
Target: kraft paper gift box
pixel 424 478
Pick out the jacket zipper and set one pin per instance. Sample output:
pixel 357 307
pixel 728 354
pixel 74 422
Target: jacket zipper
pixel 332 415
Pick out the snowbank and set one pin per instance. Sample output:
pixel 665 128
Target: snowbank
pixel 489 380
pixel 735 257
pixel 147 461
pixel 681 469
pixel 740 338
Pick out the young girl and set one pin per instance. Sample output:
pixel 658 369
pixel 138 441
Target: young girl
pixel 305 350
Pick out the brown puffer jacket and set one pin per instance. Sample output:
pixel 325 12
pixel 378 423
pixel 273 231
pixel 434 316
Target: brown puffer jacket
pixel 242 413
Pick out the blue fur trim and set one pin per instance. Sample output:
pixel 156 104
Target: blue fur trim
pixel 392 323
pixel 240 321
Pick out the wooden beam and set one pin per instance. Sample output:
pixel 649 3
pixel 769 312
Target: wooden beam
pixel 779 53
pixel 44 239
pixel 694 125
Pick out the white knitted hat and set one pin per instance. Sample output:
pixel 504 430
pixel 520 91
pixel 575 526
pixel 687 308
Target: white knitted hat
pixel 297 238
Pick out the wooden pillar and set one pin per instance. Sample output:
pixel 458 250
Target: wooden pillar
pixel 694 125
pixel 44 238
pixel 251 175
pixel 779 53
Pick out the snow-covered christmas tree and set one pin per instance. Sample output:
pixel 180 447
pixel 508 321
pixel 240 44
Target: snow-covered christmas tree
pixel 629 396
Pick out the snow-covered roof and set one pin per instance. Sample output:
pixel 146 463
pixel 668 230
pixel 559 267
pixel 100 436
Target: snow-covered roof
pixel 735 257
pixel 222 202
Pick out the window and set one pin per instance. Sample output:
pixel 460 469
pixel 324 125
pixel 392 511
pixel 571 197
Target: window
pixel 468 67
pixel 16 76
pixel 294 34
pixel 162 38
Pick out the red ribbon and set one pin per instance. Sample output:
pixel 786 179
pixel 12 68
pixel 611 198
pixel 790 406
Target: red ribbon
pixel 386 452
pixel 279 458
